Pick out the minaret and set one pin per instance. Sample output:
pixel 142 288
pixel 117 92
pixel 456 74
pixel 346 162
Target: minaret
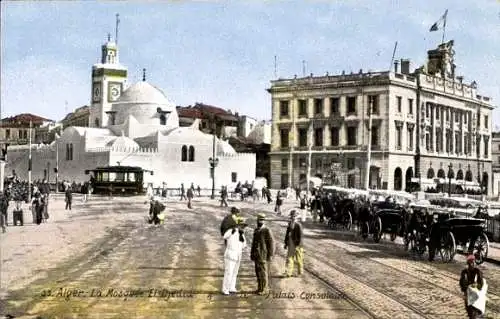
pixel 109 78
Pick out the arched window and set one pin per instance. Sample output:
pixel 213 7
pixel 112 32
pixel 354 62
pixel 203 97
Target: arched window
pixel 468 176
pixel 191 153
pixel 460 174
pixel 430 173
pixel 441 173
pixel 163 119
pixel 184 153
pixel 398 179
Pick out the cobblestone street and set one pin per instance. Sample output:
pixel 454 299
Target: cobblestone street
pixel 81 264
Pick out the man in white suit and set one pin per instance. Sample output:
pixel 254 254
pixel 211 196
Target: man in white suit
pixel 236 242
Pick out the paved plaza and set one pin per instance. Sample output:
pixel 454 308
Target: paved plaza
pixel 102 260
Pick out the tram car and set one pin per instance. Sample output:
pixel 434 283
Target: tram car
pixel 118 180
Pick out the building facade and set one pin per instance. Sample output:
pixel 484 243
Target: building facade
pixel 79 117
pixel 136 127
pixel 426 124
pixel 15 130
pixel 211 118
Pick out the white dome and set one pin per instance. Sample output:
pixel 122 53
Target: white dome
pixel 224 147
pixel 123 142
pixel 143 92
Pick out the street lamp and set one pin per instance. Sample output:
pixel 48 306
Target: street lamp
pixel 450 167
pixel 213 164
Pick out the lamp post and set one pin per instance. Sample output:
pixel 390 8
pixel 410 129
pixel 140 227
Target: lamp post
pixel 213 161
pixel 449 179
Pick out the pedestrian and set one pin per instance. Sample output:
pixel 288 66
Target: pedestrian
pixel 199 190
pixel 474 288
pixel 223 196
pixel 235 243
pixel 279 202
pixel 4 204
pixel 229 221
pixel 261 254
pixel 84 192
pixel 38 206
pixel 18 214
pixel 303 206
pixel 69 197
pixel 183 192
pixel 293 245
pixel 190 195
pixel 155 209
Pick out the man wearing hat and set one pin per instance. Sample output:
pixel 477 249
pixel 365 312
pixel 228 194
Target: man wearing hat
pixel 293 242
pixel 235 243
pixel 471 277
pixel 261 254
pixel 230 221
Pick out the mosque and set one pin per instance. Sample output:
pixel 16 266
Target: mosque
pixel 133 125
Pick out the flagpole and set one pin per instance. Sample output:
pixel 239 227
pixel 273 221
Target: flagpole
pixel 29 165
pixel 444 26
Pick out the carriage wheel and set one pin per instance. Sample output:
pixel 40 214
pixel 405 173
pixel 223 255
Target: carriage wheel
pixel 377 229
pixel 331 223
pixel 481 248
pixel 393 236
pixel 448 247
pixel 364 229
pixel 347 220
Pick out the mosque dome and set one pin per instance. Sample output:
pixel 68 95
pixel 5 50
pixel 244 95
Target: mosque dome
pixel 223 147
pixel 144 93
pixel 123 142
pixel 147 104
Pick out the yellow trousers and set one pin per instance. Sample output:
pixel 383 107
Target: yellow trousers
pixel 298 258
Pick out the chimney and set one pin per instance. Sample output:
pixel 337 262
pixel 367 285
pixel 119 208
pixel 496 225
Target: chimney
pixel 405 66
pixel 396 63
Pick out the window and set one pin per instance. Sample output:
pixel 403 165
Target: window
pixel 284 163
pixel 234 177
pixel 486 150
pixel 302 108
pixel 427 141
pixel 69 152
pixel 351 105
pixel 457 142
pixel 319 164
pixel 163 119
pixel 447 114
pixel 438 112
pixel 448 141
pixel 410 106
pixel 334 135
pixel 25 134
pixel 184 156
pixel 466 115
pixel 191 153
pixel 399 103
pixel 398 138
pixel 486 121
pixel 96 122
pixel 112 118
pixel 351 163
pixel 7 134
pixel 284 137
pixel 410 139
pixel 427 110
pixel 334 105
pixel 457 117
pixel 373 100
pixel 302 162
pixel 438 141
pixel 318 106
pixel 375 136
pixel 478 121
pixel 283 108
pixel 20 134
pixel 302 137
pixel 351 135
pixel 318 137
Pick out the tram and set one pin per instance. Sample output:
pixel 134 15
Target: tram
pixel 118 180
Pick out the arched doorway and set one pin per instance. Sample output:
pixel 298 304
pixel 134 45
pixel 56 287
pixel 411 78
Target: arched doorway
pixel 451 173
pixel 460 175
pixel 485 183
pixel 398 179
pixel 430 173
pixel 374 178
pixel 408 177
pixel 441 173
pixel 468 176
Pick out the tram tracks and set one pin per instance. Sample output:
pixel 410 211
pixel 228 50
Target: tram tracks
pixel 358 287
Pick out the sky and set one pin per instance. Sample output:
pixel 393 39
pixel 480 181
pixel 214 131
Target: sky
pixel 223 53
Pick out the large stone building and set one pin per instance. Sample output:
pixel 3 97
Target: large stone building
pixel 427 123
pixel 495 162
pixel 79 117
pixel 211 118
pixel 133 126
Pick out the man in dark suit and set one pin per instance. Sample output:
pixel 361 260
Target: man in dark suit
pixel 261 254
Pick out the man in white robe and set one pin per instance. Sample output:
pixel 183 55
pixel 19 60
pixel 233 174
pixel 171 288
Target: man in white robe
pixel 235 243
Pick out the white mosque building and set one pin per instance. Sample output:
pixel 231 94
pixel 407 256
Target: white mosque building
pixel 133 126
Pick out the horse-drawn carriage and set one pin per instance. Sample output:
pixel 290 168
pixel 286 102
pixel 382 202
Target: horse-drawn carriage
pixel 440 231
pixel 385 217
pixel 341 206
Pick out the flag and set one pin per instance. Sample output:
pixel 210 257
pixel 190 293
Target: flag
pixel 441 21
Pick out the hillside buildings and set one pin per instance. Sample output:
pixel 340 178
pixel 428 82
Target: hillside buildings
pixel 425 123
